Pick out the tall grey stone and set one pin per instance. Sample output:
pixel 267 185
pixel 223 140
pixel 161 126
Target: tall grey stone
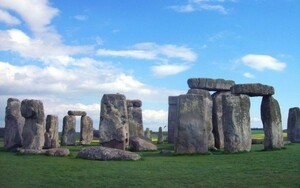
pixel 86 130
pixel 210 84
pixel 14 123
pixel 293 127
pixel 135 118
pixel 208 113
pixel 160 136
pixel 34 129
pixel 271 118
pixel 192 129
pixel 68 137
pixel 114 126
pixel 217 114
pixel 51 134
pixel 252 90
pixel 172 118
pixel 147 133
pixel 236 123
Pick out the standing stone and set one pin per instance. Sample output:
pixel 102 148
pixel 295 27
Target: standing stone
pixel 86 130
pixel 236 123
pixel 293 128
pixel 271 118
pixel 217 114
pixel 34 129
pixel 148 133
pixel 51 135
pixel 14 123
pixel 68 137
pixel 207 105
pixel 160 136
pixel 192 129
pixel 113 126
pixel 172 118
pixel 135 118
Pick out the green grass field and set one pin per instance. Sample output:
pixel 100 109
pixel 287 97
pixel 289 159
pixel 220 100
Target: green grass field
pixel 280 168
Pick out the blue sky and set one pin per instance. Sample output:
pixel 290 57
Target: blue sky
pixel 69 53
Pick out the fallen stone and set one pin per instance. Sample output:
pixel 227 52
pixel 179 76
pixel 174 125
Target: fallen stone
pixel 106 154
pixel 210 84
pixel 76 113
pixel 68 137
pixel 86 130
pixel 140 144
pixel 32 151
pixel 271 119
pixel 236 123
pixel 58 152
pixel 51 135
pixel 33 136
pixel 252 90
pixel 114 127
pixel 14 123
pixel 293 127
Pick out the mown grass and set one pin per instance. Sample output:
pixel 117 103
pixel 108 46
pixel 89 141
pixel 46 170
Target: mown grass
pixel 280 168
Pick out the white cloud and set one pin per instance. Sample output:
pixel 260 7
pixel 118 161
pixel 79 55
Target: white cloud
pixel 81 17
pixel 202 5
pixel 8 19
pixel 262 62
pixel 248 75
pixel 154 119
pixel 166 70
pixel 152 51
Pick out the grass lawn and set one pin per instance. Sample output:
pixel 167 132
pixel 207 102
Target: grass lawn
pixel 280 168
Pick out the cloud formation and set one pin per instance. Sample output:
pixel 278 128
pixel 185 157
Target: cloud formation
pixel 248 75
pixel 8 19
pixel 263 62
pixel 166 70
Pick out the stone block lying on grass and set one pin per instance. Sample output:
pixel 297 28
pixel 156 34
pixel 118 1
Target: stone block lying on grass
pixel 140 144
pixel 106 154
pixel 52 152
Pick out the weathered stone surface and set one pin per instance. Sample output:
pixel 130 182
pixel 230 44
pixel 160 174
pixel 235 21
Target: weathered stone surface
pixel 32 151
pixel 86 130
pixel 135 119
pixel 140 144
pixel 172 118
pixel 271 118
pixel 147 133
pixel 210 84
pixel 236 123
pixel 293 127
pixel 134 103
pixel 160 138
pixel 51 134
pixel 2 132
pixel 114 128
pixel 252 89
pixel 76 113
pixel 34 129
pixel 208 106
pixel 192 130
pixel 217 113
pixel 14 123
pixel 105 154
pixel 58 152
pixel 68 137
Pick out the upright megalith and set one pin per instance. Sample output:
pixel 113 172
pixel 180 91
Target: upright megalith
pixel 160 136
pixel 113 125
pixel 293 127
pixel 34 129
pixel 236 123
pixel 172 118
pixel 148 133
pixel 271 118
pixel 217 114
pixel 68 137
pixel 135 118
pixel 51 134
pixel 192 131
pixel 14 123
pixel 86 130
pixel 252 90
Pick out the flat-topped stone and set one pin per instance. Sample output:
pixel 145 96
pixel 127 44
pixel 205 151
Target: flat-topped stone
pixel 210 84
pixel 255 89
pixel 76 113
